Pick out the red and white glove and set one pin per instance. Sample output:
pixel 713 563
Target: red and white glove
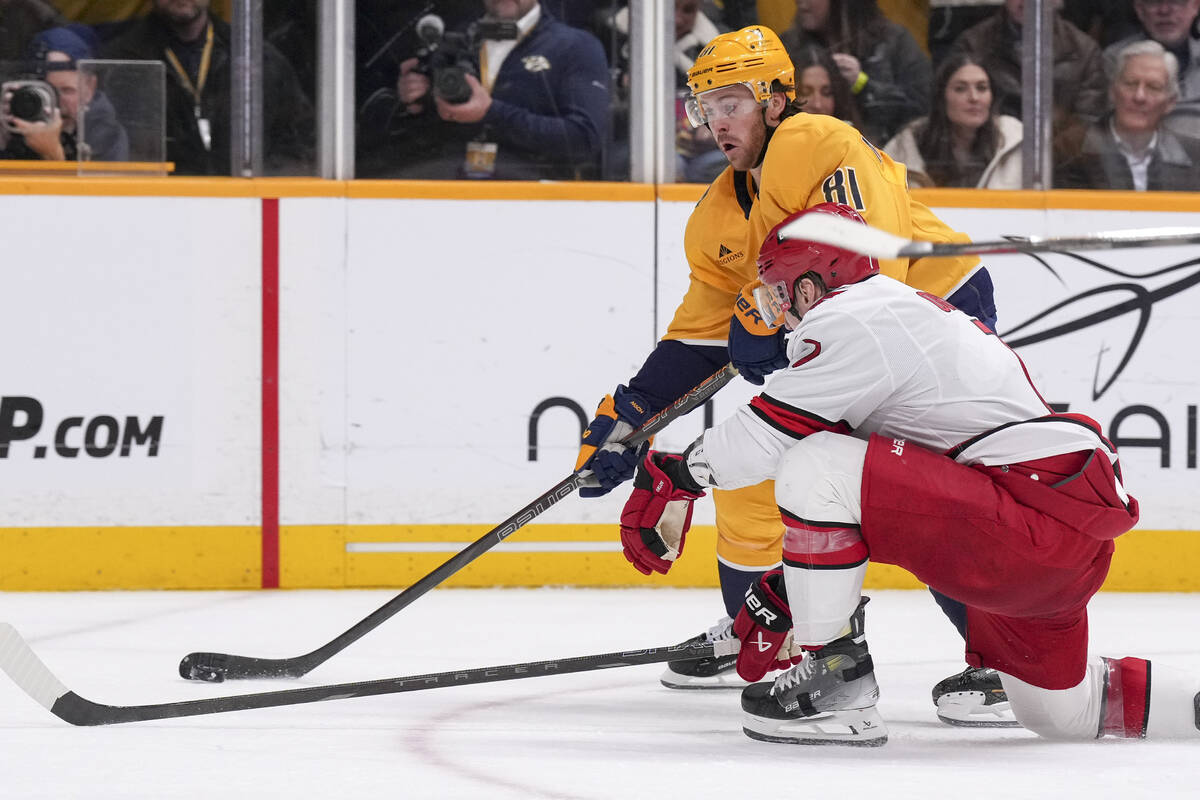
pixel 656 517
pixel 764 625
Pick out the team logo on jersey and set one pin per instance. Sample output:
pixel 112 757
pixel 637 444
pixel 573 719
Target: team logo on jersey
pixel 725 255
pixel 536 63
pixel 898 447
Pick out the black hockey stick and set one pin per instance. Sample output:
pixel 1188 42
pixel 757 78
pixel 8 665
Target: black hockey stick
pixel 857 238
pixel 216 667
pixel 32 675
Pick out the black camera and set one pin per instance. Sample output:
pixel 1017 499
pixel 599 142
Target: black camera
pixel 30 100
pixel 448 58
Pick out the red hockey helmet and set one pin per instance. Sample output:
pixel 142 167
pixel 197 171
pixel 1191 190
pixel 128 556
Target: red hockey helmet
pixel 782 262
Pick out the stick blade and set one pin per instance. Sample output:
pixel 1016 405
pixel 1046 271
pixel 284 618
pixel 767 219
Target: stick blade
pixel 28 671
pixel 852 236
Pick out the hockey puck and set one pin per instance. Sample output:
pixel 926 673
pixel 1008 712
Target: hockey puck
pixel 199 667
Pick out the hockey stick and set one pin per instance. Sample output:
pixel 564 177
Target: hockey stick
pixel 857 238
pixel 216 667
pixel 34 678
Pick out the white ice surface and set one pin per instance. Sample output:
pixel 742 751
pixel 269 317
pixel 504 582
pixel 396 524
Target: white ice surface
pixel 609 734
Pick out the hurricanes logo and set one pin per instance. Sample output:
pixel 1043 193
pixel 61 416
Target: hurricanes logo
pixel 725 255
pixel 536 63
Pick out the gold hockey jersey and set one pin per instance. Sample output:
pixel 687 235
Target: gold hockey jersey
pixel 812 159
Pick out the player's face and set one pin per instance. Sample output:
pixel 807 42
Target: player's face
pixel 968 97
pixel 736 121
pixel 816 90
pixel 1141 95
pixel 1167 21
pixel 812 15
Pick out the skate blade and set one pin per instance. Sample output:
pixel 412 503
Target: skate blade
pixel 725 680
pixel 853 728
pixel 967 710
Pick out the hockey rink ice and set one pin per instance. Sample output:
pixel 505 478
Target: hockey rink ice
pixel 598 735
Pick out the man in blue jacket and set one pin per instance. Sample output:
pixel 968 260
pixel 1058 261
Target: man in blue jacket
pixel 534 106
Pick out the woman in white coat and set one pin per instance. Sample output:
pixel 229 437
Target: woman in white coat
pixel 961 143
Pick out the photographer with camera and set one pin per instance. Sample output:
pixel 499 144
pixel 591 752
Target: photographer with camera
pixel 194 45
pixel 40 116
pixel 517 96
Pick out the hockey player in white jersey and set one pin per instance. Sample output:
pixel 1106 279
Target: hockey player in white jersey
pixel 905 432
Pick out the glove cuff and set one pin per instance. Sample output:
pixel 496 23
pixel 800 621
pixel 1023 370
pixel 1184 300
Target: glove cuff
pixel 631 407
pixel 766 603
pixel 671 470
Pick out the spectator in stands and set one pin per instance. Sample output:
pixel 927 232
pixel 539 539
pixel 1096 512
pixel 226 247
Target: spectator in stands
pixel 1078 84
pixel 697 159
pixel 821 86
pixel 888 73
pixel 962 142
pixel 1174 25
pixel 1131 148
pixel 194 44
pixel 20 20
pixel 1106 21
pixel 538 110
pixel 55 51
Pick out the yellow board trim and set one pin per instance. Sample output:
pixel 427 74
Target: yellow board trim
pixel 175 557
pixel 115 186
pixel 57 168
pixel 314 556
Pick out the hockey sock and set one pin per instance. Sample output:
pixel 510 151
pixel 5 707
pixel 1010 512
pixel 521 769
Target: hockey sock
pixel 1126 698
pixel 734 585
pixel 1174 704
pixel 955 611
pixel 824 564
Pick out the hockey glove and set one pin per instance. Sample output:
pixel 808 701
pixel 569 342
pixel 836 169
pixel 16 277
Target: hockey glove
pixel 755 349
pixel 600 450
pixel 656 518
pixel 764 626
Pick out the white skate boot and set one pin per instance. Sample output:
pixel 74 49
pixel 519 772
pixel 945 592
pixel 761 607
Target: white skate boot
pixel 829 698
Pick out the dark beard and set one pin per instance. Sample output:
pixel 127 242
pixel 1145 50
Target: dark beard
pixel 181 18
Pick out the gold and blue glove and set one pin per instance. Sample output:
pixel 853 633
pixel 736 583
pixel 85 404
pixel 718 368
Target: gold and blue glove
pixel 601 453
pixel 755 349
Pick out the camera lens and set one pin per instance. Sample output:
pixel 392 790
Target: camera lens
pixel 28 104
pixel 450 84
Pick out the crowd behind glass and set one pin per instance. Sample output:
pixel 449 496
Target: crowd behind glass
pixel 541 89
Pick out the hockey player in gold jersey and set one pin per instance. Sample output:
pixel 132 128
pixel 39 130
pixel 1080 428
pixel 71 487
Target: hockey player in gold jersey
pixel 781 160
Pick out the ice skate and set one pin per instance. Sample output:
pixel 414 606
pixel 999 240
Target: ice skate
pixel 974 698
pixel 717 672
pixel 829 698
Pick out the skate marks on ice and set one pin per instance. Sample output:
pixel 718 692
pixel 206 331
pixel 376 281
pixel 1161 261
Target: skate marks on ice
pixel 592 735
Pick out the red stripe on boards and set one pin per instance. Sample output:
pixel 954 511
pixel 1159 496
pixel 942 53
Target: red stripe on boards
pixel 270 393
